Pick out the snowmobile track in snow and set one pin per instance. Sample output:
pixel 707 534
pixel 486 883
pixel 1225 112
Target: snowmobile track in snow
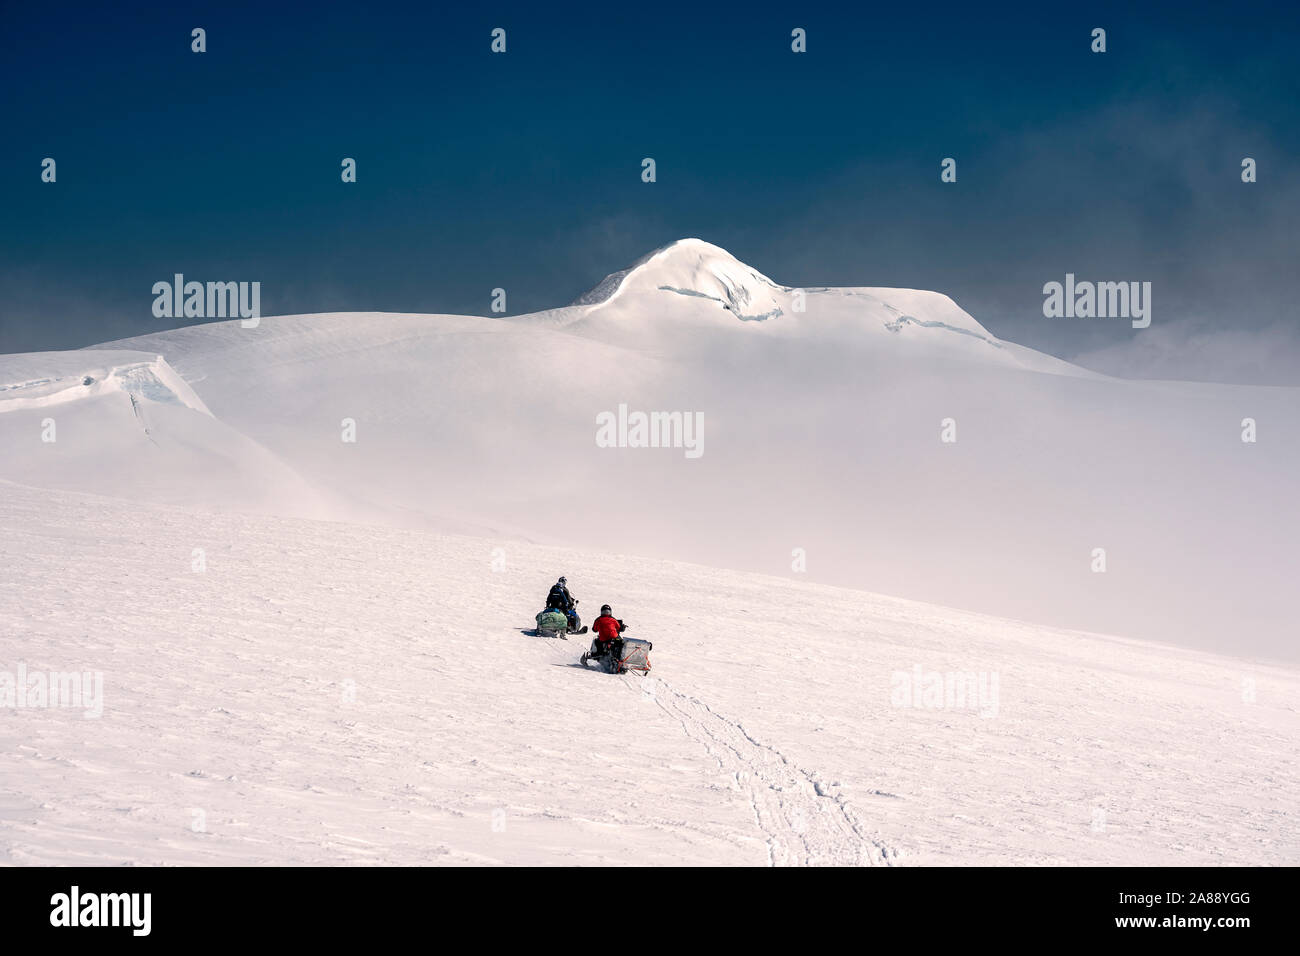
pixel 803 823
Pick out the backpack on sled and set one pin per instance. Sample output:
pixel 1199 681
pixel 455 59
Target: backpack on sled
pixel 552 623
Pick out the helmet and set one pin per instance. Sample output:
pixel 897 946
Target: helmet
pixel 562 580
pixel 605 609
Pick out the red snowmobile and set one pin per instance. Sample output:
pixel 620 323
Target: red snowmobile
pixel 615 653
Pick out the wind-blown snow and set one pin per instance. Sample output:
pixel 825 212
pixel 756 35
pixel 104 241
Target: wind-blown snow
pixel 822 432
pixel 698 285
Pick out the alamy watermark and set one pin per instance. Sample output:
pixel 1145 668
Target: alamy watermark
pixel 75 908
pixel 945 690
pixel 208 300
pixel 22 689
pixel 1101 300
pixel 624 429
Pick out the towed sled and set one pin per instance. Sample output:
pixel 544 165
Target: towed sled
pixel 624 654
pixel 555 623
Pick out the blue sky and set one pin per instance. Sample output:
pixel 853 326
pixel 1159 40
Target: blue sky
pixel 522 170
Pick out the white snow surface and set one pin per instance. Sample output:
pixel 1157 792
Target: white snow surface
pixel 313 650
pixel 330 693
pixel 124 423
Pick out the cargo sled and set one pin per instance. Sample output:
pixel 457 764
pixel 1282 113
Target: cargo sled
pixel 552 623
pixel 627 654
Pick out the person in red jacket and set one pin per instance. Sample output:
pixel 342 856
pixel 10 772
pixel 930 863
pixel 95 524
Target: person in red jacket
pixel 607 629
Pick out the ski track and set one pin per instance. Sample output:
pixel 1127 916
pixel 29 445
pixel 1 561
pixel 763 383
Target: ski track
pixel 803 823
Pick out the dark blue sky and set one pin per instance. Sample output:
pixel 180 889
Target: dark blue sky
pixel 523 170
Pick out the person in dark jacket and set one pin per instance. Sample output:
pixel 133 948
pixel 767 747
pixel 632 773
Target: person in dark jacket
pixel 560 599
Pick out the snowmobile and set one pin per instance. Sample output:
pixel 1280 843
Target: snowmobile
pixel 623 654
pixel 560 602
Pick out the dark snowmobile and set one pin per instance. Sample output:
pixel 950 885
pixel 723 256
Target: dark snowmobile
pixel 560 602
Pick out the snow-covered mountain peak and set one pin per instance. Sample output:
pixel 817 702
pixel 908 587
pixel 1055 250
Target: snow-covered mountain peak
pixel 670 295
pixel 693 267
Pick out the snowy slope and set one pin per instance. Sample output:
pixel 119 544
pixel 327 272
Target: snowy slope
pixel 821 432
pixel 328 693
pixel 124 423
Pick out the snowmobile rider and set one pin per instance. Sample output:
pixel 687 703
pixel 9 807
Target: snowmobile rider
pixel 607 628
pixel 560 599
